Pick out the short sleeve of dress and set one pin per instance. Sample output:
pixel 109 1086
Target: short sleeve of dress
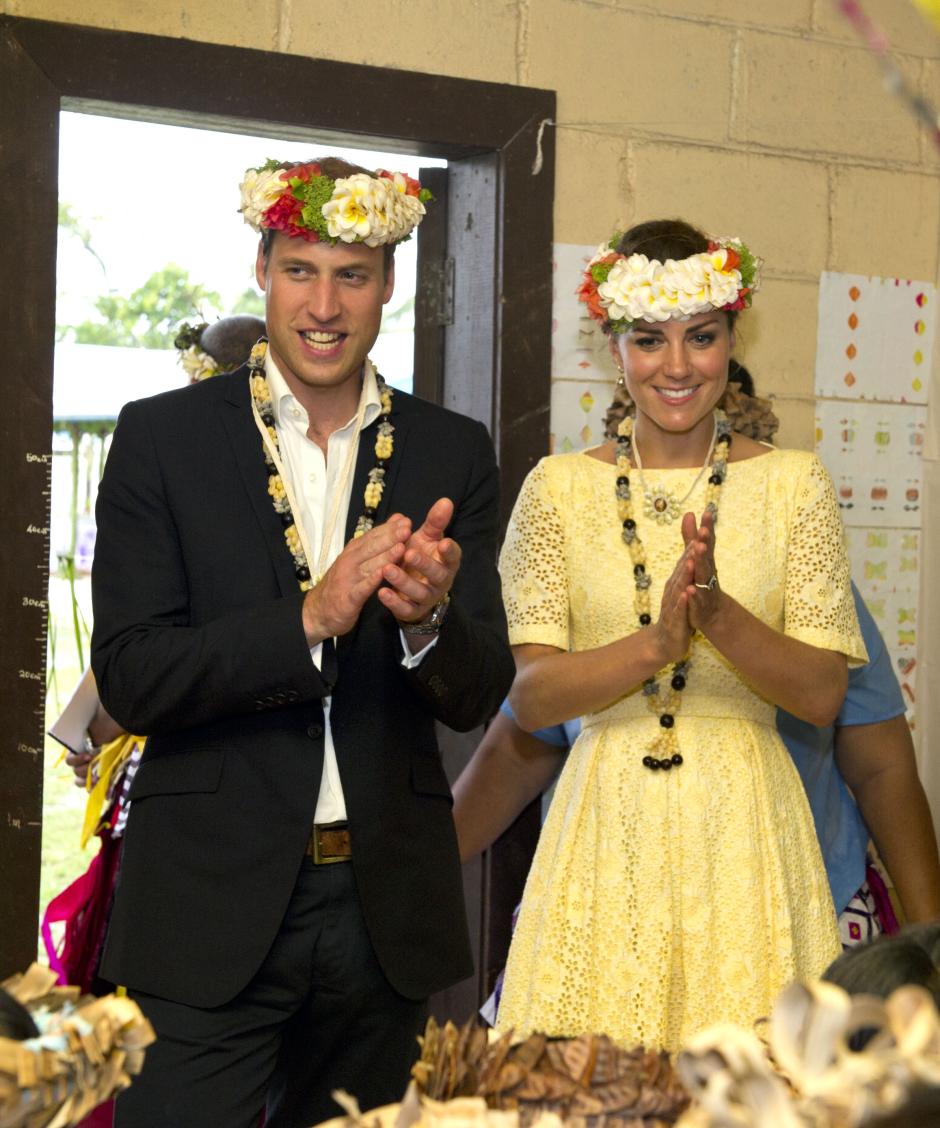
pixel 819 607
pixel 532 566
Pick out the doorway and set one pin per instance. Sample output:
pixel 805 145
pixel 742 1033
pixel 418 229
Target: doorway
pixel 490 358
pixel 134 262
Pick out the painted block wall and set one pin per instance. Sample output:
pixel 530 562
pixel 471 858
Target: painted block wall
pixel 768 120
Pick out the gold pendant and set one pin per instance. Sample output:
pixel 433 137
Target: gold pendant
pixel 660 505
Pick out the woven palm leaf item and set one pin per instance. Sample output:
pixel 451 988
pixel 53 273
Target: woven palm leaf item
pixel 465 1079
pixel 62 1054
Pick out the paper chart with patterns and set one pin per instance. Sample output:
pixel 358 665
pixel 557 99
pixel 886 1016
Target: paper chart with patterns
pixel 874 453
pixel 876 338
pixel 884 564
pixel 873 356
pixel 583 375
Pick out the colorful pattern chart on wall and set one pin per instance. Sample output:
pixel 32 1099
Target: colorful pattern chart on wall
pixel 876 338
pixel 583 375
pixel 873 357
pixel 873 452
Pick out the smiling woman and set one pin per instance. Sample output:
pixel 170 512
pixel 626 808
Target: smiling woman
pixel 676 373
pixel 677 880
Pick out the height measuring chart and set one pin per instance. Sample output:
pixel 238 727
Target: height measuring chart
pixel 24 594
pixel 873 358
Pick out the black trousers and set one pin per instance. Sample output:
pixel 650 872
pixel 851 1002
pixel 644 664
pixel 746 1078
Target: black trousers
pixel 318 1016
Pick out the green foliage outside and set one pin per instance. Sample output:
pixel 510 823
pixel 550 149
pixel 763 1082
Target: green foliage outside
pixel 147 317
pixel 250 302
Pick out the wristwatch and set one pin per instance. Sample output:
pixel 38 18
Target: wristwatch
pixel 431 624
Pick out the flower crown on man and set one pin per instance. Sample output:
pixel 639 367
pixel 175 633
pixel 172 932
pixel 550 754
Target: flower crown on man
pixel 331 201
pixel 621 288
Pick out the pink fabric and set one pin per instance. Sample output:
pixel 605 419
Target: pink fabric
pixel 67 907
pixel 83 908
pixel 889 922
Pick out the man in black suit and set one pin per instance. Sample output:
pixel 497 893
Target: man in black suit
pixel 294 579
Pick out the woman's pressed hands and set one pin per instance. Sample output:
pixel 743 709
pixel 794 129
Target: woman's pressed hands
pixel 704 593
pixel 672 628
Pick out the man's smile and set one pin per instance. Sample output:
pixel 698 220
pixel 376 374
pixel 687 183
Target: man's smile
pixel 321 341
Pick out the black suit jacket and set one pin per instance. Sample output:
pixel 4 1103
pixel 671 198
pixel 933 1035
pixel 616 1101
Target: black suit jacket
pixel 198 642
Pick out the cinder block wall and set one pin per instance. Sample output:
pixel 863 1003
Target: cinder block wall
pixel 766 119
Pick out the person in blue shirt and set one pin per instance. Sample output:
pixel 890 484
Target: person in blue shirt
pixel 860 774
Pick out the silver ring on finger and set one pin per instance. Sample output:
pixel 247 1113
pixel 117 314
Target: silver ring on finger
pixel 711 585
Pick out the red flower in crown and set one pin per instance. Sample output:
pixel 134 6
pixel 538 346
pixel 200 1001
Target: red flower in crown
pixel 301 172
pixel 741 302
pixel 283 215
pixel 589 292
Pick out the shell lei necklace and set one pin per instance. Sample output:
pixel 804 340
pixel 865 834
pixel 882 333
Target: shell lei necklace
pixel 662 504
pixel 278 485
pixel 666 745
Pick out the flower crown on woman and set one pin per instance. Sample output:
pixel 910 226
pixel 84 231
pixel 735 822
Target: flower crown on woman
pixel 621 289
pixel 302 201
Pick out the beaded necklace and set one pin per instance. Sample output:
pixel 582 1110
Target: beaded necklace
pixel 666 744
pixel 660 503
pixel 278 486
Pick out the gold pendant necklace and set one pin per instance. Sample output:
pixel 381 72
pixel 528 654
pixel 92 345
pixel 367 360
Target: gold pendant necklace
pixel 661 504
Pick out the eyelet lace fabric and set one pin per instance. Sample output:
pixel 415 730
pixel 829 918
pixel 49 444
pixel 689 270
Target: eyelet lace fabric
pixel 660 904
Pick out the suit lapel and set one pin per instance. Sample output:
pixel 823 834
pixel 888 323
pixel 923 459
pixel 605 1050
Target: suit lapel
pixel 248 449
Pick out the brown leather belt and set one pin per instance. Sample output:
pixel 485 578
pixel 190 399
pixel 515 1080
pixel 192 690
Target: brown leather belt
pixel 329 842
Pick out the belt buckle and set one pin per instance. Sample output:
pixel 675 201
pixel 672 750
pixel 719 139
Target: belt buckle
pixel 326 859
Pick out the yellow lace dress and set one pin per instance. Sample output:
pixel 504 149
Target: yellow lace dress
pixel 660 903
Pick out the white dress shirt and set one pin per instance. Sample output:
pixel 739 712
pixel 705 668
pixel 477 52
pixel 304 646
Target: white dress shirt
pixel 315 479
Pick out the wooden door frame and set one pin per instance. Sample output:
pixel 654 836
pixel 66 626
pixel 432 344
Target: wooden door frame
pixel 497 352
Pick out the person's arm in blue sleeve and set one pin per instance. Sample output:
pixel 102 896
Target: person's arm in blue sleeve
pixel 509 769
pixel 875 755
